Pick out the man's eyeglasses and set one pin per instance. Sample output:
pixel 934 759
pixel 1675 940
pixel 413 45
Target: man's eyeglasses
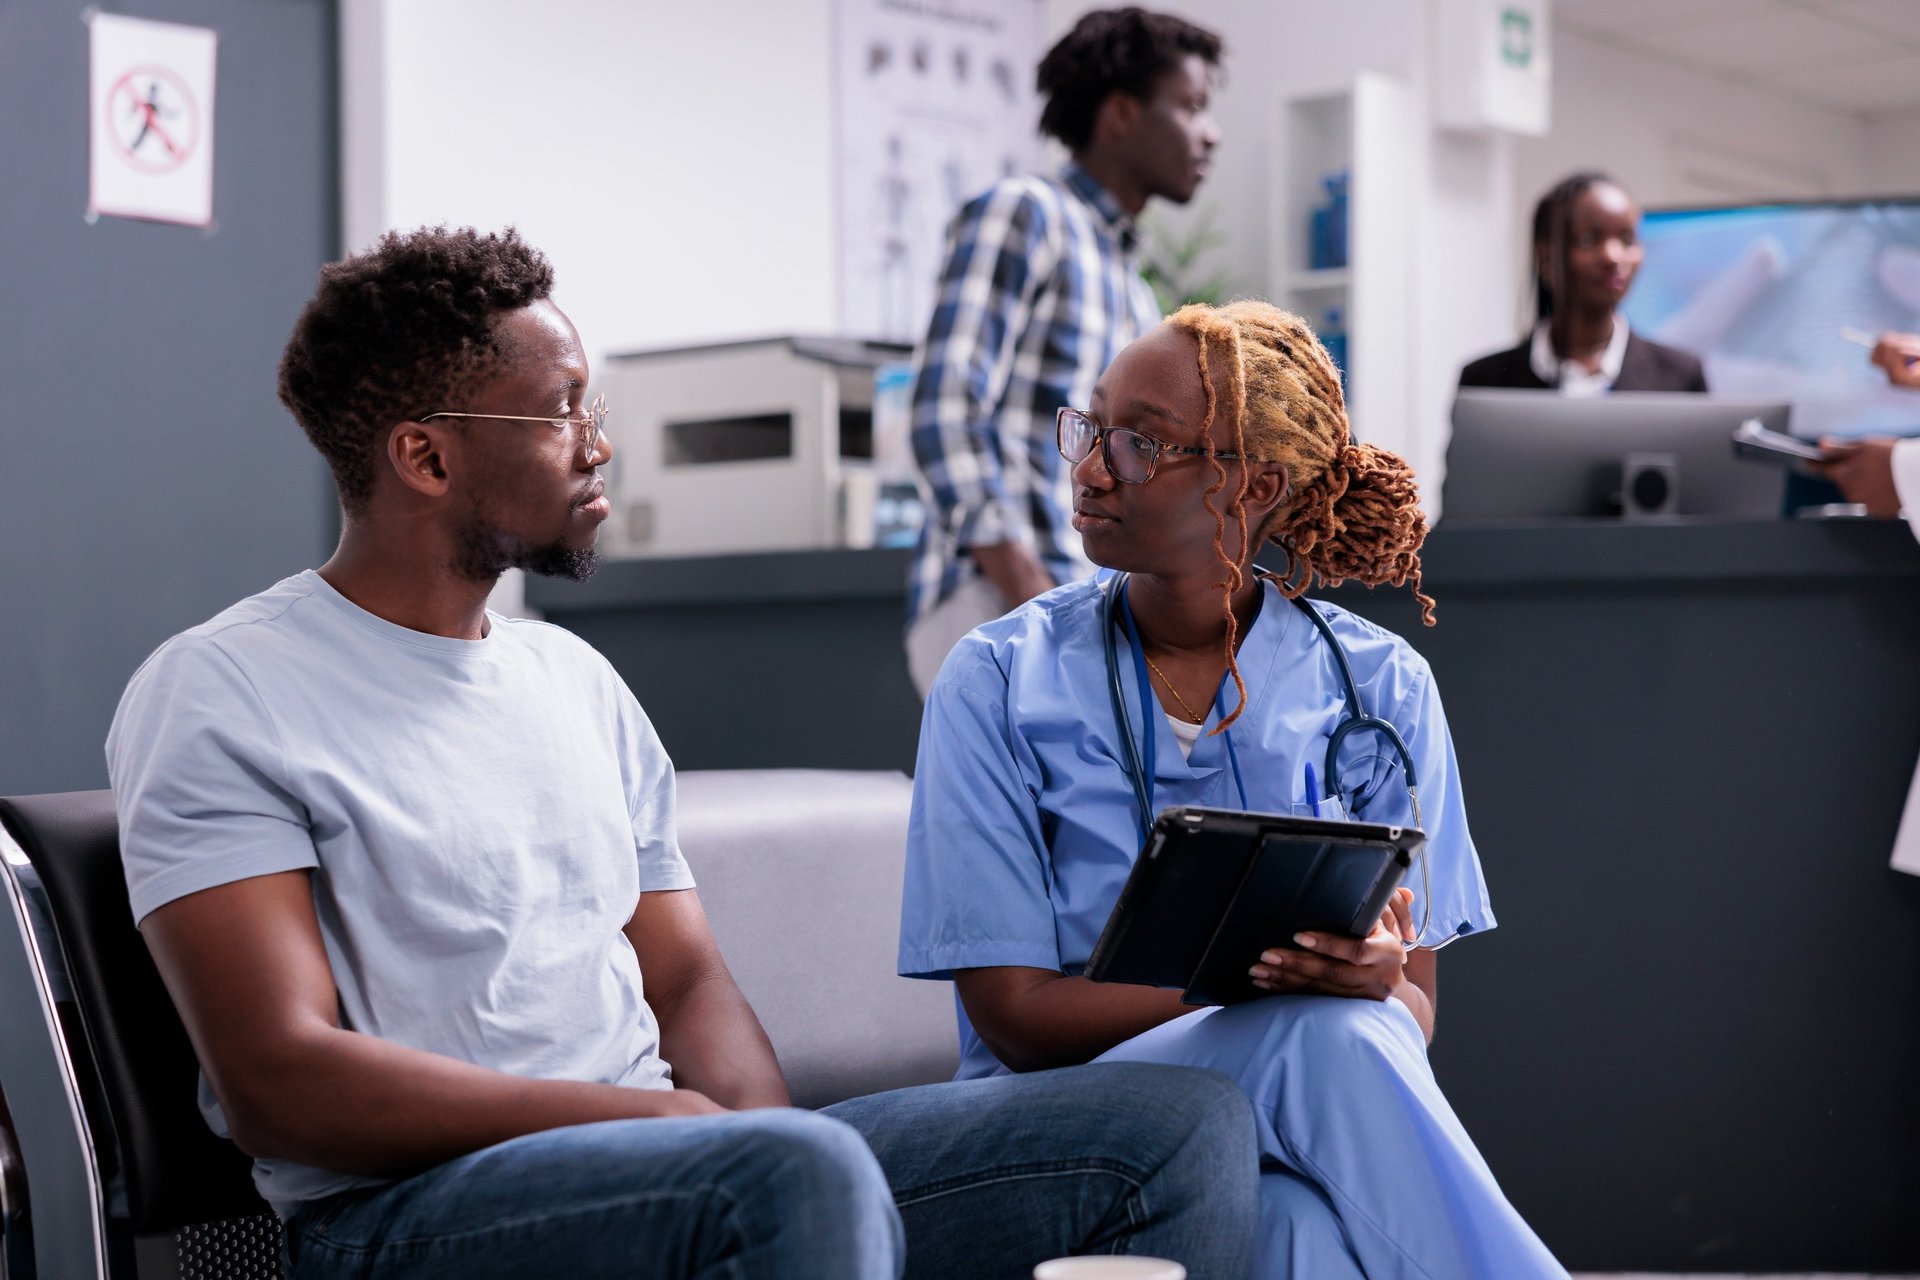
pixel 1130 455
pixel 592 422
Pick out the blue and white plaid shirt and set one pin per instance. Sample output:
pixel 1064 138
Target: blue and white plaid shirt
pixel 1039 293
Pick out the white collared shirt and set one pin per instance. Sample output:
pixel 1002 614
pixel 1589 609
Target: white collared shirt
pixel 1570 376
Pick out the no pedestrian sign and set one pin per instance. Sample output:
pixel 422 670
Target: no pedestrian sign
pixel 152 120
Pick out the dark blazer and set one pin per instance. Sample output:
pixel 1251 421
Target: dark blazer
pixel 1646 366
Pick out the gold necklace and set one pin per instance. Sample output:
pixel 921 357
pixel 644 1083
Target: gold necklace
pixel 1197 719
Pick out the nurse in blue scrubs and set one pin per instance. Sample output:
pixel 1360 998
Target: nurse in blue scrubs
pixel 1222 431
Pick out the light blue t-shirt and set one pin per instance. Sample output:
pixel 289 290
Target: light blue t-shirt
pixel 1025 823
pixel 480 816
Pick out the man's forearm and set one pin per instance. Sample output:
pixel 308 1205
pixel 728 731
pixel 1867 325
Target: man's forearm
pixel 716 1044
pixel 357 1104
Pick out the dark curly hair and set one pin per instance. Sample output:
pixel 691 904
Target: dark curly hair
pixel 1107 50
pixel 394 333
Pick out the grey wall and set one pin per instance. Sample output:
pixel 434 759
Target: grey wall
pixel 148 475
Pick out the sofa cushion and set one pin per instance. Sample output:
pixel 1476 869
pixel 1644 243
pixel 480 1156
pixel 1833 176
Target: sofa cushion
pixel 800 872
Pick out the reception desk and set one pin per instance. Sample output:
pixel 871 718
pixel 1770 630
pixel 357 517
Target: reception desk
pixel 1694 1041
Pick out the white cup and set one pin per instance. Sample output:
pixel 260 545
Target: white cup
pixel 1110 1268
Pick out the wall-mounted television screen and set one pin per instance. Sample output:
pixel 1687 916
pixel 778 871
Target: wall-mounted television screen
pixel 1762 292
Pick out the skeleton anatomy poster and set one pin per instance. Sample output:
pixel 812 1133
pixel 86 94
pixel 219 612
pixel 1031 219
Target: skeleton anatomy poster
pixel 935 103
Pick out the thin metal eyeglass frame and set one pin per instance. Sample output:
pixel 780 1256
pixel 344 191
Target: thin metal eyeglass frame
pixel 596 419
pixel 1103 437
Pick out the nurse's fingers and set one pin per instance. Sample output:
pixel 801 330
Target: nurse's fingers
pixel 1291 980
pixel 1399 913
pixel 1300 984
pixel 1294 971
pixel 1352 950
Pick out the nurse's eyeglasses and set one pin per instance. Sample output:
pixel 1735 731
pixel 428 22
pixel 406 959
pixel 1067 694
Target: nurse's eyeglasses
pixel 1130 455
pixel 592 421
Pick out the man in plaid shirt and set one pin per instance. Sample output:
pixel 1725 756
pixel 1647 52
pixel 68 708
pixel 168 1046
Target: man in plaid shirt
pixel 1039 292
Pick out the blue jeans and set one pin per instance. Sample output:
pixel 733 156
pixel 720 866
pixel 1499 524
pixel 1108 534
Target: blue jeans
pixel 977 1179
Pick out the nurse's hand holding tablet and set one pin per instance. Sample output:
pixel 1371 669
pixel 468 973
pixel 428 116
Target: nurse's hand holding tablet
pixel 1056 735
pixel 1369 968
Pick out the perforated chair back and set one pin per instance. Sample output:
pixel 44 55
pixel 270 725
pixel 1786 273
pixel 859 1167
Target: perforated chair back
pixel 178 1174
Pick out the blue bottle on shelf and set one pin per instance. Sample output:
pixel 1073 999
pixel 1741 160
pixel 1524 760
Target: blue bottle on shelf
pixel 1333 336
pixel 1327 232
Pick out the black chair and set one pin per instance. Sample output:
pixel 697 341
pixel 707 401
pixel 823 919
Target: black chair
pixel 124 1179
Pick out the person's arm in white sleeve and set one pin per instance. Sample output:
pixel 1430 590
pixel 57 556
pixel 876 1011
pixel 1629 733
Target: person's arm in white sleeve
pixel 1880 473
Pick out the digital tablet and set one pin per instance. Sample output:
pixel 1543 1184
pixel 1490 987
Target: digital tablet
pixel 1213 888
pixel 1758 444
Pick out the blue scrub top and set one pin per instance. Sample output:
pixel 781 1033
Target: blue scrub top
pixel 1025 824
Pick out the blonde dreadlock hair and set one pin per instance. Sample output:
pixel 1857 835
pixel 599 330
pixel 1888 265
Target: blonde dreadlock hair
pixel 1354 511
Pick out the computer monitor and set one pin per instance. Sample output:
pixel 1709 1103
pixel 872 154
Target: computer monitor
pixel 1763 293
pixel 1531 455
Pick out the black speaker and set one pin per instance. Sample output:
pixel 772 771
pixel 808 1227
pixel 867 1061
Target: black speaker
pixel 1649 486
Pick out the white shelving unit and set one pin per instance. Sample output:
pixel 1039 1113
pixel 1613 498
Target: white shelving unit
pixel 1366 130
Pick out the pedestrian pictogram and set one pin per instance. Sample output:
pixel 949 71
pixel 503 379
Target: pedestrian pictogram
pixel 155 121
pixel 152 120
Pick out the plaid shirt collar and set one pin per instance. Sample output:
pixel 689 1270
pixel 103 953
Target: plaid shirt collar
pixel 1117 219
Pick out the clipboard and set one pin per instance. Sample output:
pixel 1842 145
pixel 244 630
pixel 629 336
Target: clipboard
pixel 1213 888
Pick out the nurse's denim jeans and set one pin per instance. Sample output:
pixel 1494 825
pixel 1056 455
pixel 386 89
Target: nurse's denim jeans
pixel 975 1180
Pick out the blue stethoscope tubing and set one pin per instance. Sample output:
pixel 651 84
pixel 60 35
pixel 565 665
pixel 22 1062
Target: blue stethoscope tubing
pixel 1356 720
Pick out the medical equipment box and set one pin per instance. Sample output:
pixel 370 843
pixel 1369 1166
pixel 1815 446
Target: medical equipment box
pixel 759 445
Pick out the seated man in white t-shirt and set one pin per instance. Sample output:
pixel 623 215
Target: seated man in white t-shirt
pixel 1879 472
pixel 403 864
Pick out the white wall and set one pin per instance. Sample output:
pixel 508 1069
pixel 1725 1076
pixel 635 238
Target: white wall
pixel 673 159
pixel 1892 163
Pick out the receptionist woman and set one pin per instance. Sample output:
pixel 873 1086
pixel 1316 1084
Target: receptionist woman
pixel 1586 251
pixel 1220 431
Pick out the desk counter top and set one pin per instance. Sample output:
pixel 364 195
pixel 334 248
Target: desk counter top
pixel 1545 555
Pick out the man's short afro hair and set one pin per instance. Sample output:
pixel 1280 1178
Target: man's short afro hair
pixel 1107 50
pixel 395 333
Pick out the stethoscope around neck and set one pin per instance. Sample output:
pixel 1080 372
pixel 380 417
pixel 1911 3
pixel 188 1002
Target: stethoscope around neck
pixel 1140 774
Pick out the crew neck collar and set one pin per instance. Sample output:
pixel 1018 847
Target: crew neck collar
pixel 393 631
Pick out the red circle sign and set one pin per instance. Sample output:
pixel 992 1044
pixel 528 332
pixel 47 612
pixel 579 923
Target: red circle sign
pixel 153 118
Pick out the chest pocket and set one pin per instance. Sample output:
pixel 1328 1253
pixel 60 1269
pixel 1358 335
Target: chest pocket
pixel 1380 795
pixel 1332 808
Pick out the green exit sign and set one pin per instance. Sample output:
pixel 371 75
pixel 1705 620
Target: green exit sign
pixel 1516 37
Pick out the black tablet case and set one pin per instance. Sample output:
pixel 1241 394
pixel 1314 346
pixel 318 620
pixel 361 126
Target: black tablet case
pixel 1213 888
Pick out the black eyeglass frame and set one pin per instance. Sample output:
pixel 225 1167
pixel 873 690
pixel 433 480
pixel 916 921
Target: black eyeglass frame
pixel 1103 441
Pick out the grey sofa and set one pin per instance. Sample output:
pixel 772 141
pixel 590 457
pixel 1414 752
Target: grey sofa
pixel 800 872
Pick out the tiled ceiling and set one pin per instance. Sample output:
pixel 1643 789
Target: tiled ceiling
pixel 1856 55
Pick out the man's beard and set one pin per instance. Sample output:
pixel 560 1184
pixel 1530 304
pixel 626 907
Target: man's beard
pixel 484 553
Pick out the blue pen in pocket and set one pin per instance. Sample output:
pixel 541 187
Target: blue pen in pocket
pixel 1313 790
